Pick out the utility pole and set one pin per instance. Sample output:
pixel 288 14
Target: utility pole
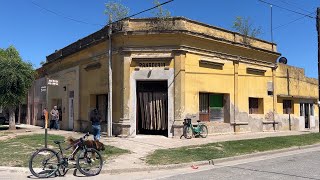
pixel 110 78
pixel 271 25
pixel 288 88
pixel 318 30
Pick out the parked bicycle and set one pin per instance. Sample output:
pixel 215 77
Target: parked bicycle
pixel 189 130
pixel 47 162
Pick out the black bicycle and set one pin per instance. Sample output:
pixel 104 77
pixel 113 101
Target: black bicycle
pixel 46 162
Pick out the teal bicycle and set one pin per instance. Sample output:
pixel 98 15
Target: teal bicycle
pixel 190 131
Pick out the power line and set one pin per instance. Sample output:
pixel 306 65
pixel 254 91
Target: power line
pixel 294 5
pixel 288 9
pixel 84 22
pixel 141 12
pixel 64 16
pixel 291 21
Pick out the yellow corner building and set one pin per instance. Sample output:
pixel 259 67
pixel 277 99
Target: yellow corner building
pixel 166 71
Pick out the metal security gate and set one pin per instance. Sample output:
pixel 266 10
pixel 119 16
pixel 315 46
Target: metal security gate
pixel 152 107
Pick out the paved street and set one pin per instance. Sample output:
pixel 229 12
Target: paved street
pixel 299 166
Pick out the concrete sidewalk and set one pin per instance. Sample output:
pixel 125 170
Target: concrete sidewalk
pixel 142 145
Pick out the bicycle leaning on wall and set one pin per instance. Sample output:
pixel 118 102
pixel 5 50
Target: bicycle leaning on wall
pixel 189 130
pixel 47 162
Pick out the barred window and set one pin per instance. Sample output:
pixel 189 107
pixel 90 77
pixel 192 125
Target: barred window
pixel 287 107
pixel 255 105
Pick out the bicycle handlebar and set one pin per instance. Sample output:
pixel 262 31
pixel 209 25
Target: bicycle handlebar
pixel 86 135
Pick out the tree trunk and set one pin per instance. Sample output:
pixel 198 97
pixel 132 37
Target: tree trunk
pixel 12 122
pixel 19 114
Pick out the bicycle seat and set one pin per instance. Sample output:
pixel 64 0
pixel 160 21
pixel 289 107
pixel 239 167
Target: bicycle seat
pixel 198 121
pixel 58 142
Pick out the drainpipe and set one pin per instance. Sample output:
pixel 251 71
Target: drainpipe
pixel 110 79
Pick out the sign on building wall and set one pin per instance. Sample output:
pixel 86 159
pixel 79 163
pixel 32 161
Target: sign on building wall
pixel 43 88
pixel 53 82
pixel 152 64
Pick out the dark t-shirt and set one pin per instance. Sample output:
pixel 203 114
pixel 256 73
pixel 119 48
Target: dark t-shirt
pixel 95 117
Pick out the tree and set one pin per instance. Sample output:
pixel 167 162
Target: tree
pixel 163 17
pixel 160 12
pixel 116 11
pixel 245 27
pixel 16 77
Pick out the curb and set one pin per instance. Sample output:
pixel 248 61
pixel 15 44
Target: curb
pixel 177 166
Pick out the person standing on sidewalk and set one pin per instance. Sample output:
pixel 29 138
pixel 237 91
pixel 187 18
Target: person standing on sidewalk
pixel 54 118
pixel 44 117
pixel 95 119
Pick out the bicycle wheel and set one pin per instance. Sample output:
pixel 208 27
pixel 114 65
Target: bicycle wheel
pixel 89 162
pixel 203 131
pixel 44 163
pixel 187 132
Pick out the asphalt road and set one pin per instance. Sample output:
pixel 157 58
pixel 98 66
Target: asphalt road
pixel 299 166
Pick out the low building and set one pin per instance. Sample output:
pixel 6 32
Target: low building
pixel 166 71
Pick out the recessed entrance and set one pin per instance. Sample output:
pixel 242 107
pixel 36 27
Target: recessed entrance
pixel 152 107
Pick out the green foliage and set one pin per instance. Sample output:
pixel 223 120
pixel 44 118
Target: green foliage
pixel 163 21
pixel 229 149
pixel 115 10
pixel 16 77
pixel 160 12
pixel 245 27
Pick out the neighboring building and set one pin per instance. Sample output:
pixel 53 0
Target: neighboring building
pixel 164 72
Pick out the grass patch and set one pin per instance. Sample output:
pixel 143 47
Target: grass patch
pixel 228 149
pixel 17 151
pixel 111 151
pixel 5 133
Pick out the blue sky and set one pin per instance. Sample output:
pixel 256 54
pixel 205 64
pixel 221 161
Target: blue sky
pixel 37 33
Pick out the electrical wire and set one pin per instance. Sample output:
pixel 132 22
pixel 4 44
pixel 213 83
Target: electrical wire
pixel 64 16
pixel 84 22
pixel 294 5
pixel 292 21
pixel 288 9
pixel 141 12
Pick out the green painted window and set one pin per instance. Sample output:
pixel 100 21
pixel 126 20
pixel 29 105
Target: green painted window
pixel 216 100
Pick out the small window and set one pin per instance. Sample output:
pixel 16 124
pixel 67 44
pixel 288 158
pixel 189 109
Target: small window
pixel 311 110
pixel 255 105
pixel 270 88
pixel 287 107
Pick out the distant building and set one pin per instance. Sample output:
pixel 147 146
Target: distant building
pixel 164 72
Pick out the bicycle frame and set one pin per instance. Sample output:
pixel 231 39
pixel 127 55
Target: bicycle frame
pixel 64 160
pixel 195 130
